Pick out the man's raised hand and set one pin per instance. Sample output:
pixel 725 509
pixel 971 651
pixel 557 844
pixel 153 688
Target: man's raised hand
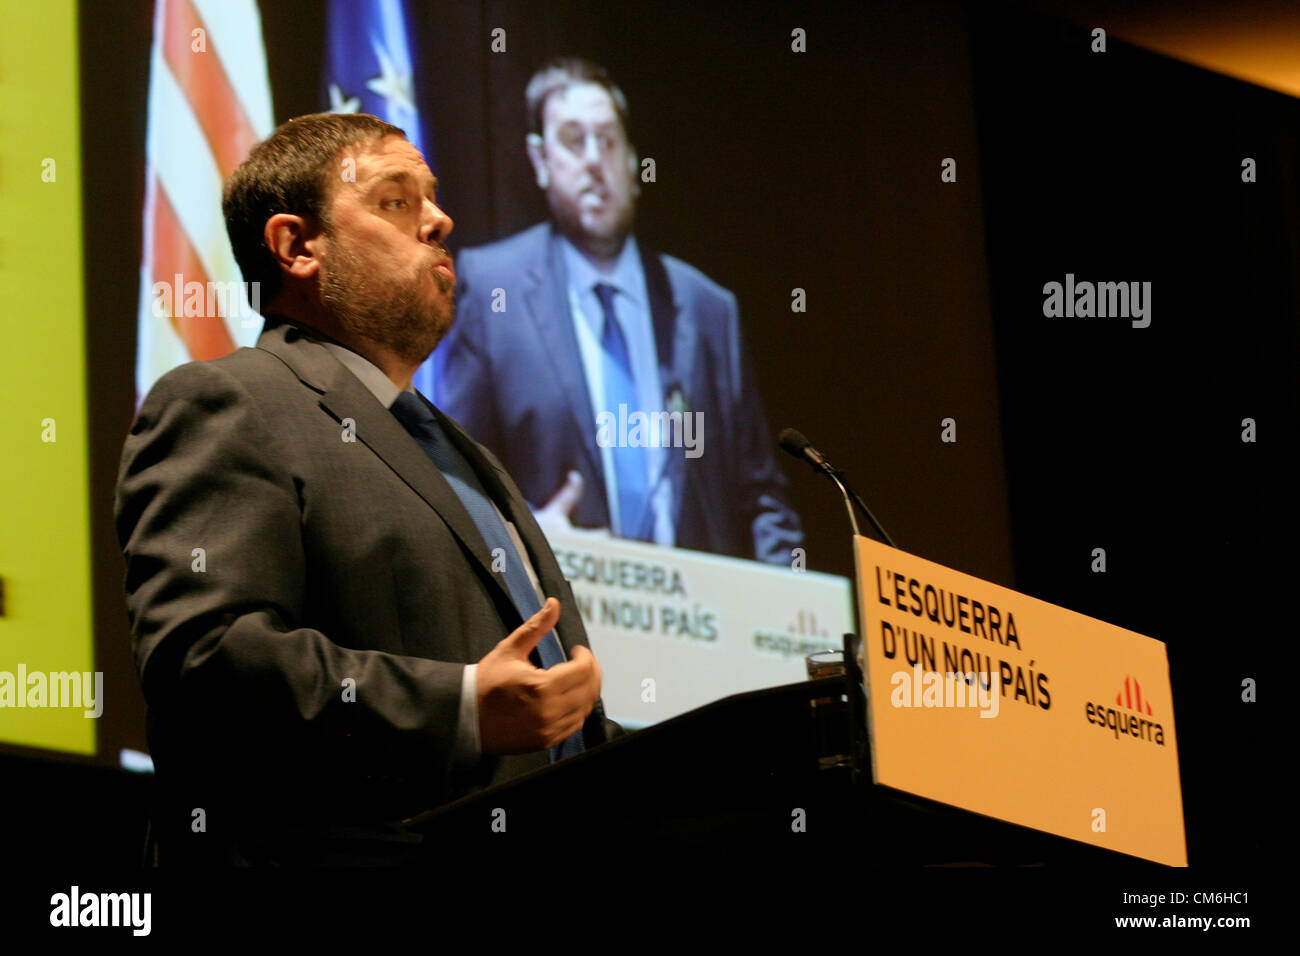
pixel 523 708
pixel 556 516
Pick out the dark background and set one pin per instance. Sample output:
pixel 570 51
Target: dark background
pixel 822 171
pixel 1128 166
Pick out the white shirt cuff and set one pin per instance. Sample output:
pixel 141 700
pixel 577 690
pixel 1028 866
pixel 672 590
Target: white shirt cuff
pixel 468 746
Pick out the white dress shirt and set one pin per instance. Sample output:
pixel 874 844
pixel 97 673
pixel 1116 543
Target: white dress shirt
pixel 632 309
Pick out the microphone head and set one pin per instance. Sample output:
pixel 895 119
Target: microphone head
pixel 793 442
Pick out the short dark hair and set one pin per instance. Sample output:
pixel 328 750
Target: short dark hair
pixel 562 72
pixel 289 172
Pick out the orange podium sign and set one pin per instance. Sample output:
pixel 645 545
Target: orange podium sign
pixel 989 700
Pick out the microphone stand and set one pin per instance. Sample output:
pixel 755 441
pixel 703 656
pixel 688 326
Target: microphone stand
pixel 852 498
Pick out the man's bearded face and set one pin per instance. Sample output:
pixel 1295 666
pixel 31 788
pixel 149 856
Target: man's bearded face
pixel 395 309
pixel 385 273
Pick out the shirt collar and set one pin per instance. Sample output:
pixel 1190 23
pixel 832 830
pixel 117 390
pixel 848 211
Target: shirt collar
pixel 627 276
pixel 371 376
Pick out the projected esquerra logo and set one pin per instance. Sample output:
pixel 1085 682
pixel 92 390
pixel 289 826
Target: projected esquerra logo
pixel 803 636
pixel 1129 720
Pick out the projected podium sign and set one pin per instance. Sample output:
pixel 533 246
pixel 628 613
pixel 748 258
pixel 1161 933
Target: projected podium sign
pixel 993 701
pixel 677 629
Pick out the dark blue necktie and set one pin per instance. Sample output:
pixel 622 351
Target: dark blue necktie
pixel 630 471
pixel 418 419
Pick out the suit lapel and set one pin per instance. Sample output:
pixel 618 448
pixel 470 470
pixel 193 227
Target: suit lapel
pixel 547 299
pixel 677 344
pixel 343 397
pixel 502 489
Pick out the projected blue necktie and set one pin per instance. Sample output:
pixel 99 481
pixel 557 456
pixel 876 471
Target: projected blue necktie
pixel 418 419
pixel 630 463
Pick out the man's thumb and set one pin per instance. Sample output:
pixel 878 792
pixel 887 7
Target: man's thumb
pixel 531 632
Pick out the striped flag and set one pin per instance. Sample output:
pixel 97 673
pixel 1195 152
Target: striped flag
pixel 370 67
pixel 209 103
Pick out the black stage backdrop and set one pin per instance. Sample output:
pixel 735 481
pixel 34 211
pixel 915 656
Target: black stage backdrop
pixel 1128 166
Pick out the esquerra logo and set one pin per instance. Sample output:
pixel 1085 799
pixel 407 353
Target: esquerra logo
pixel 1129 720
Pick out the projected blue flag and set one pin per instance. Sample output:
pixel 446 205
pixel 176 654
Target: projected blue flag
pixel 370 66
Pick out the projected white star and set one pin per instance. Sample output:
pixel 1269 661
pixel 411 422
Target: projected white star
pixel 340 104
pixel 392 84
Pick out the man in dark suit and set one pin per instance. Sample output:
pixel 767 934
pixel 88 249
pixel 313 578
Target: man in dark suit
pixel 574 326
pixel 342 610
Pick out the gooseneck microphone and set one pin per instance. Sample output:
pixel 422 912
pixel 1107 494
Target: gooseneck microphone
pixel 800 447
pixel 797 445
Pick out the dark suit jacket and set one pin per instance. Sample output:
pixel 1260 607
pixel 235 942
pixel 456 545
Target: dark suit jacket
pixel 515 380
pixel 303 670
